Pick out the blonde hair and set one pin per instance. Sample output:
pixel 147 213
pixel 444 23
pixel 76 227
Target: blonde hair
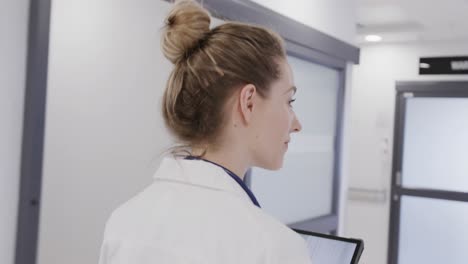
pixel 209 65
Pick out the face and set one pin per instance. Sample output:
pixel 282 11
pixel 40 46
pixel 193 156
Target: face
pixel 273 121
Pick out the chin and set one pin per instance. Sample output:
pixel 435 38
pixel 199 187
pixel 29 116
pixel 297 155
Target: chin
pixel 277 167
pixel 273 164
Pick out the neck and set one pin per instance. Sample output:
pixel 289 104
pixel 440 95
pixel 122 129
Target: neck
pixel 229 157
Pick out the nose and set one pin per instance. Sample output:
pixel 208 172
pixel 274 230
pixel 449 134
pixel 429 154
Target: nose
pixel 296 125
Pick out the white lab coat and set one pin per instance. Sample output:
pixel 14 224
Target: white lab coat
pixel 195 213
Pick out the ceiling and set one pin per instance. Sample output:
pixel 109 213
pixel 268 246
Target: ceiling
pixel 412 20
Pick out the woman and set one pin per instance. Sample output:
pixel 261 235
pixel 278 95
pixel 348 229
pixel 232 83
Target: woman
pixel 228 100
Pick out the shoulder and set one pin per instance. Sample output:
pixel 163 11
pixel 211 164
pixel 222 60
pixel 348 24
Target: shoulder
pixel 281 243
pixel 181 208
pixel 164 212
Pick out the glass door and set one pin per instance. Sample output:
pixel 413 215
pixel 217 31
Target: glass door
pixel 429 211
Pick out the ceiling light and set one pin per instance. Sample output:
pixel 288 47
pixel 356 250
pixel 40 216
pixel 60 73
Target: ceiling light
pixel 373 38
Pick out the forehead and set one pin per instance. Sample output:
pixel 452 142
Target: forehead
pixel 286 80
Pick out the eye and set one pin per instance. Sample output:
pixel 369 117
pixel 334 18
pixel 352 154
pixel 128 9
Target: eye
pixel 291 102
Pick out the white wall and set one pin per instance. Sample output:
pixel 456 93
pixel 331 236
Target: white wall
pixel 104 132
pixel 372 113
pixel 336 18
pixel 13 43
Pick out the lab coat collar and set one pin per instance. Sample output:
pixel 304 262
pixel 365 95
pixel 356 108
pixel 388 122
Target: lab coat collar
pixel 199 173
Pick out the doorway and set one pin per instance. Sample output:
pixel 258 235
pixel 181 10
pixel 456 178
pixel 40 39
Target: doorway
pixel 429 196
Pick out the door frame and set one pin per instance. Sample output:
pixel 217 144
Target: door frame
pixel 33 132
pixel 405 90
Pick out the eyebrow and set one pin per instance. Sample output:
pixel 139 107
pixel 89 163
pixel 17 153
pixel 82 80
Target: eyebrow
pixel 294 88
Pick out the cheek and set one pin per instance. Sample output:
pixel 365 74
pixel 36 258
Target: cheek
pixel 273 123
pixel 282 120
pixel 271 133
pixel 276 128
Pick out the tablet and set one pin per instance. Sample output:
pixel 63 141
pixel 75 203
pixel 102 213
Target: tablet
pixel 328 249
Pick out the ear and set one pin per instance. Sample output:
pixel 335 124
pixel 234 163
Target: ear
pixel 246 102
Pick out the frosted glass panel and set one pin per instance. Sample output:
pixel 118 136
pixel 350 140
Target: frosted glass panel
pixel 433 231
pixel 303 188
pixel 317 95
pixel 436 144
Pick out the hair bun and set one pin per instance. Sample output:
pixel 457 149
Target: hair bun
pixel 186 25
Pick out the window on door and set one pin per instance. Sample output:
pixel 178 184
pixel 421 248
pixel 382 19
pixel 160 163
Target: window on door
pixel 303 189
